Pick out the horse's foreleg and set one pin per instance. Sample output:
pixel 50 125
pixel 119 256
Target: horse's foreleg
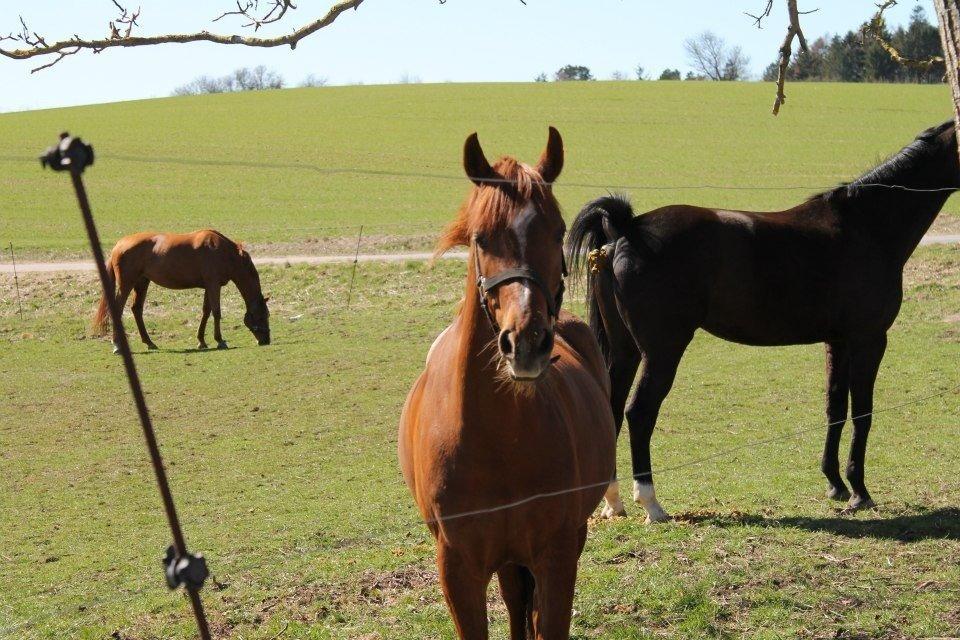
pixel 139 299
pixel 466 594
pixel 556 579
pixel 213 293
pixel 202 330
pixel 838 391
pixel 864 363
pixel 516 587
pixel 659 370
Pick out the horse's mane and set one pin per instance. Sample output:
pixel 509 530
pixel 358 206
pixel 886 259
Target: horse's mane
pixel 892 170
pixel 494 205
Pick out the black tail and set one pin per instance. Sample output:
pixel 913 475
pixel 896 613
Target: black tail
pixel 600 222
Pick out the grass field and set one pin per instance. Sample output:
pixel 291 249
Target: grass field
pixel 242 163
pixel 283 459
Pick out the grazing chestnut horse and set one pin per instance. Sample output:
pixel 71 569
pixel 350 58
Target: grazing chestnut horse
pixel 204 259
pixel 828 270
pixel 506 439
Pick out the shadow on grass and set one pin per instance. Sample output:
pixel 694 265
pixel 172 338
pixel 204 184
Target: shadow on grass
pixel 924 524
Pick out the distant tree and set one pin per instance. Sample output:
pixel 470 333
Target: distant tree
pixel 710 57
pixel 844 60
pixel 541 78
pixel 694 76
pixel 640 72
pixel 670 74
pixel 407 78
pixel 920 41
pixel 243 79
pixel 572 72
pixel 314 81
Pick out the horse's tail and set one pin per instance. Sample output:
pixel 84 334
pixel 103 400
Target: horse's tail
pixel 101 319
pixel 599 223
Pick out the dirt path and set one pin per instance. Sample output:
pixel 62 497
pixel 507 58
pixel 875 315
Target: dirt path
pixel 59 267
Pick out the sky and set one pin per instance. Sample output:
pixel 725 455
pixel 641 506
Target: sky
pixel 386 40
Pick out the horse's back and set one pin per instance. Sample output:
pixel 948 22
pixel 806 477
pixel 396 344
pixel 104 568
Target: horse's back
pixel 175 260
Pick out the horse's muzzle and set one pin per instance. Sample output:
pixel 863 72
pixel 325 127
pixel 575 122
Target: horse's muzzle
pixel 526 353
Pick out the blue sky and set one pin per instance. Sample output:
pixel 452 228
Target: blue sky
pixel 459 41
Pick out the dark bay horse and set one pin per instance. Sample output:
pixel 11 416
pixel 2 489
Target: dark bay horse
pixel 507 439
pixel 828 270
pixel 204 259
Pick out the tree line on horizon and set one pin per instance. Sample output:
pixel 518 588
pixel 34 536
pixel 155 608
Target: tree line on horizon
pixel 851 57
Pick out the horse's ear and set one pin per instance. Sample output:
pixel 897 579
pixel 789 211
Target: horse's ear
pixel 241 248
pixel 551 161
pixel 475 163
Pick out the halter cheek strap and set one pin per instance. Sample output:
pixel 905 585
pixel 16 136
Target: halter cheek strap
pixel 486 285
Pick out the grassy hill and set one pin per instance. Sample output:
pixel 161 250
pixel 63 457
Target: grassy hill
pixel 284 168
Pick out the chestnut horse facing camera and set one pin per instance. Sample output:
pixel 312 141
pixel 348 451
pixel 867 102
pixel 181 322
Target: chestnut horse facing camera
pixel 204 259
pixel 507 439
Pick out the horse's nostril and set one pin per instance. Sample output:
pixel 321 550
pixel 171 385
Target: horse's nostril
pixel 506 343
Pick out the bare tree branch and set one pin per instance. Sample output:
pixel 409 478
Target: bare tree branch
pixel 875 29
pixel 278 8
pixel 36 46
pixel 763 14
pixel 793 30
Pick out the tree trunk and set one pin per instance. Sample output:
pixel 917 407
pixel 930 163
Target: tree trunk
pixel 948 16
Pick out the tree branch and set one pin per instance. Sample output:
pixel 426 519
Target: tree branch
pixel 875 29
pixel 37 46
pixel 793 30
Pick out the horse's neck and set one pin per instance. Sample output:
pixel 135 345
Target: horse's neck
pixel 248 287
pixel 899 216
pixel 477 372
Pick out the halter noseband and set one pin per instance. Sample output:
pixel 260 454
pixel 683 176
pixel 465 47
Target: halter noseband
pixel 486 285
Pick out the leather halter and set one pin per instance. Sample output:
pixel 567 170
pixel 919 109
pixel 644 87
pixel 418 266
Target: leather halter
pixel 486 285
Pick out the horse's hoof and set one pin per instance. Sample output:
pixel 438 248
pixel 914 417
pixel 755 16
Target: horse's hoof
pixel 222 345
pixel 838 494
pixel 609 512
pixel 202 346
pixel 152 346
pixel 656 517
pixel 859 503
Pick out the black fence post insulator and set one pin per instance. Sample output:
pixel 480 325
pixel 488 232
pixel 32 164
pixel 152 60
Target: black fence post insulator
pixel 73 155
pixel 190 570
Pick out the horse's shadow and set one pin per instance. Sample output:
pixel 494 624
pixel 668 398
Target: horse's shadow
pixel 923 524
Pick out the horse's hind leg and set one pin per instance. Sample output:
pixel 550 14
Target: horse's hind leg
pixel 625 359
pixel 202 330
pixel 139 299
pixel 864 363
pixel 123 292
pixel 213 295
pixel 838 391
pixel 659 370
pixel 516 587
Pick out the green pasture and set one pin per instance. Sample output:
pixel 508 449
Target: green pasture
pixel 283 462
pixel 291 171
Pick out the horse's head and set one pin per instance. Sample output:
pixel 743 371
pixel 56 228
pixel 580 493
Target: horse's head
pixel 257 320
pixel 514 228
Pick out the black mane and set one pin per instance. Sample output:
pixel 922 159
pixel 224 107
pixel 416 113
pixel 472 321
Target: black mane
pixel 892 170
